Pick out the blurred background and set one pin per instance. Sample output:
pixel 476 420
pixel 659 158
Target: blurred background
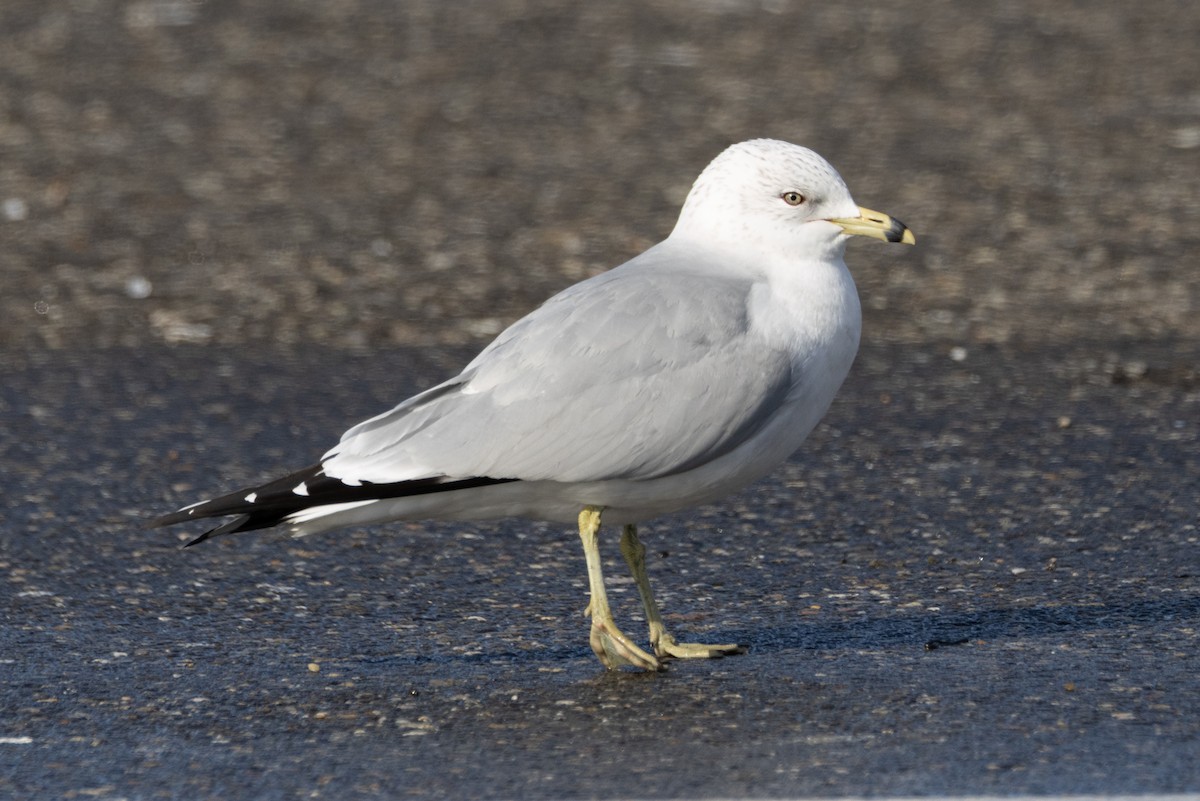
pixel 365 174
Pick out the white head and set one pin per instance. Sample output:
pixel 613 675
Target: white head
pixel 779 194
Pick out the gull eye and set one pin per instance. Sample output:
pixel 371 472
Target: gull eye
pixel 792 198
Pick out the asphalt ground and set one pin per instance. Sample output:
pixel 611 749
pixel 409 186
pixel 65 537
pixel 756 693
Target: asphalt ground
pixel 980 577
pixel 228 232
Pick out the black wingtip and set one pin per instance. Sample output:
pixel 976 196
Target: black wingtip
pixel 255 507
pixel 228 527
pixel 271 504
pixel 197 540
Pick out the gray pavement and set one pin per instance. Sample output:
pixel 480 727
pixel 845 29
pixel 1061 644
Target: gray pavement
pixel 955 589
pixel 228 232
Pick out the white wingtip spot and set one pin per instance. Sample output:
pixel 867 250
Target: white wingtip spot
pixel 252 497
pixel 300 489
pixel 191 507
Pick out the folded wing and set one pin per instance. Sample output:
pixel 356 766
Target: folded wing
pixel 620 377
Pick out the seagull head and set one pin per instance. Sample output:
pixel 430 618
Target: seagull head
pixel 780 196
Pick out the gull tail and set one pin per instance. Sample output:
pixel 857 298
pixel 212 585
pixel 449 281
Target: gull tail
pixel 301 496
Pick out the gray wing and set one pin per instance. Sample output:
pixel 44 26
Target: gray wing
pixel 644 371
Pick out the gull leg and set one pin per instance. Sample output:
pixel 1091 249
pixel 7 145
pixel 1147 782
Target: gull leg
pixel 664 644
pixel 613 647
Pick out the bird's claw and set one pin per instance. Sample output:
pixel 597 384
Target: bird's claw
pixel 665 647
pixel 615 649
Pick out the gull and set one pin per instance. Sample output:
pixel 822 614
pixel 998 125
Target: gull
pixel 680 376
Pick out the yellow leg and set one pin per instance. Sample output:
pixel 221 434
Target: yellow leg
pixel 664 644
pixel 609 643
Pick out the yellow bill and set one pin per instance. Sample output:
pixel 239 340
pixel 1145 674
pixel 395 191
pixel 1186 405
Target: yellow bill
pixel 876 225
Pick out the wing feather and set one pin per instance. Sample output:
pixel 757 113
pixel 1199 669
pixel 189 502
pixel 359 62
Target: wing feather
pixel 620 377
